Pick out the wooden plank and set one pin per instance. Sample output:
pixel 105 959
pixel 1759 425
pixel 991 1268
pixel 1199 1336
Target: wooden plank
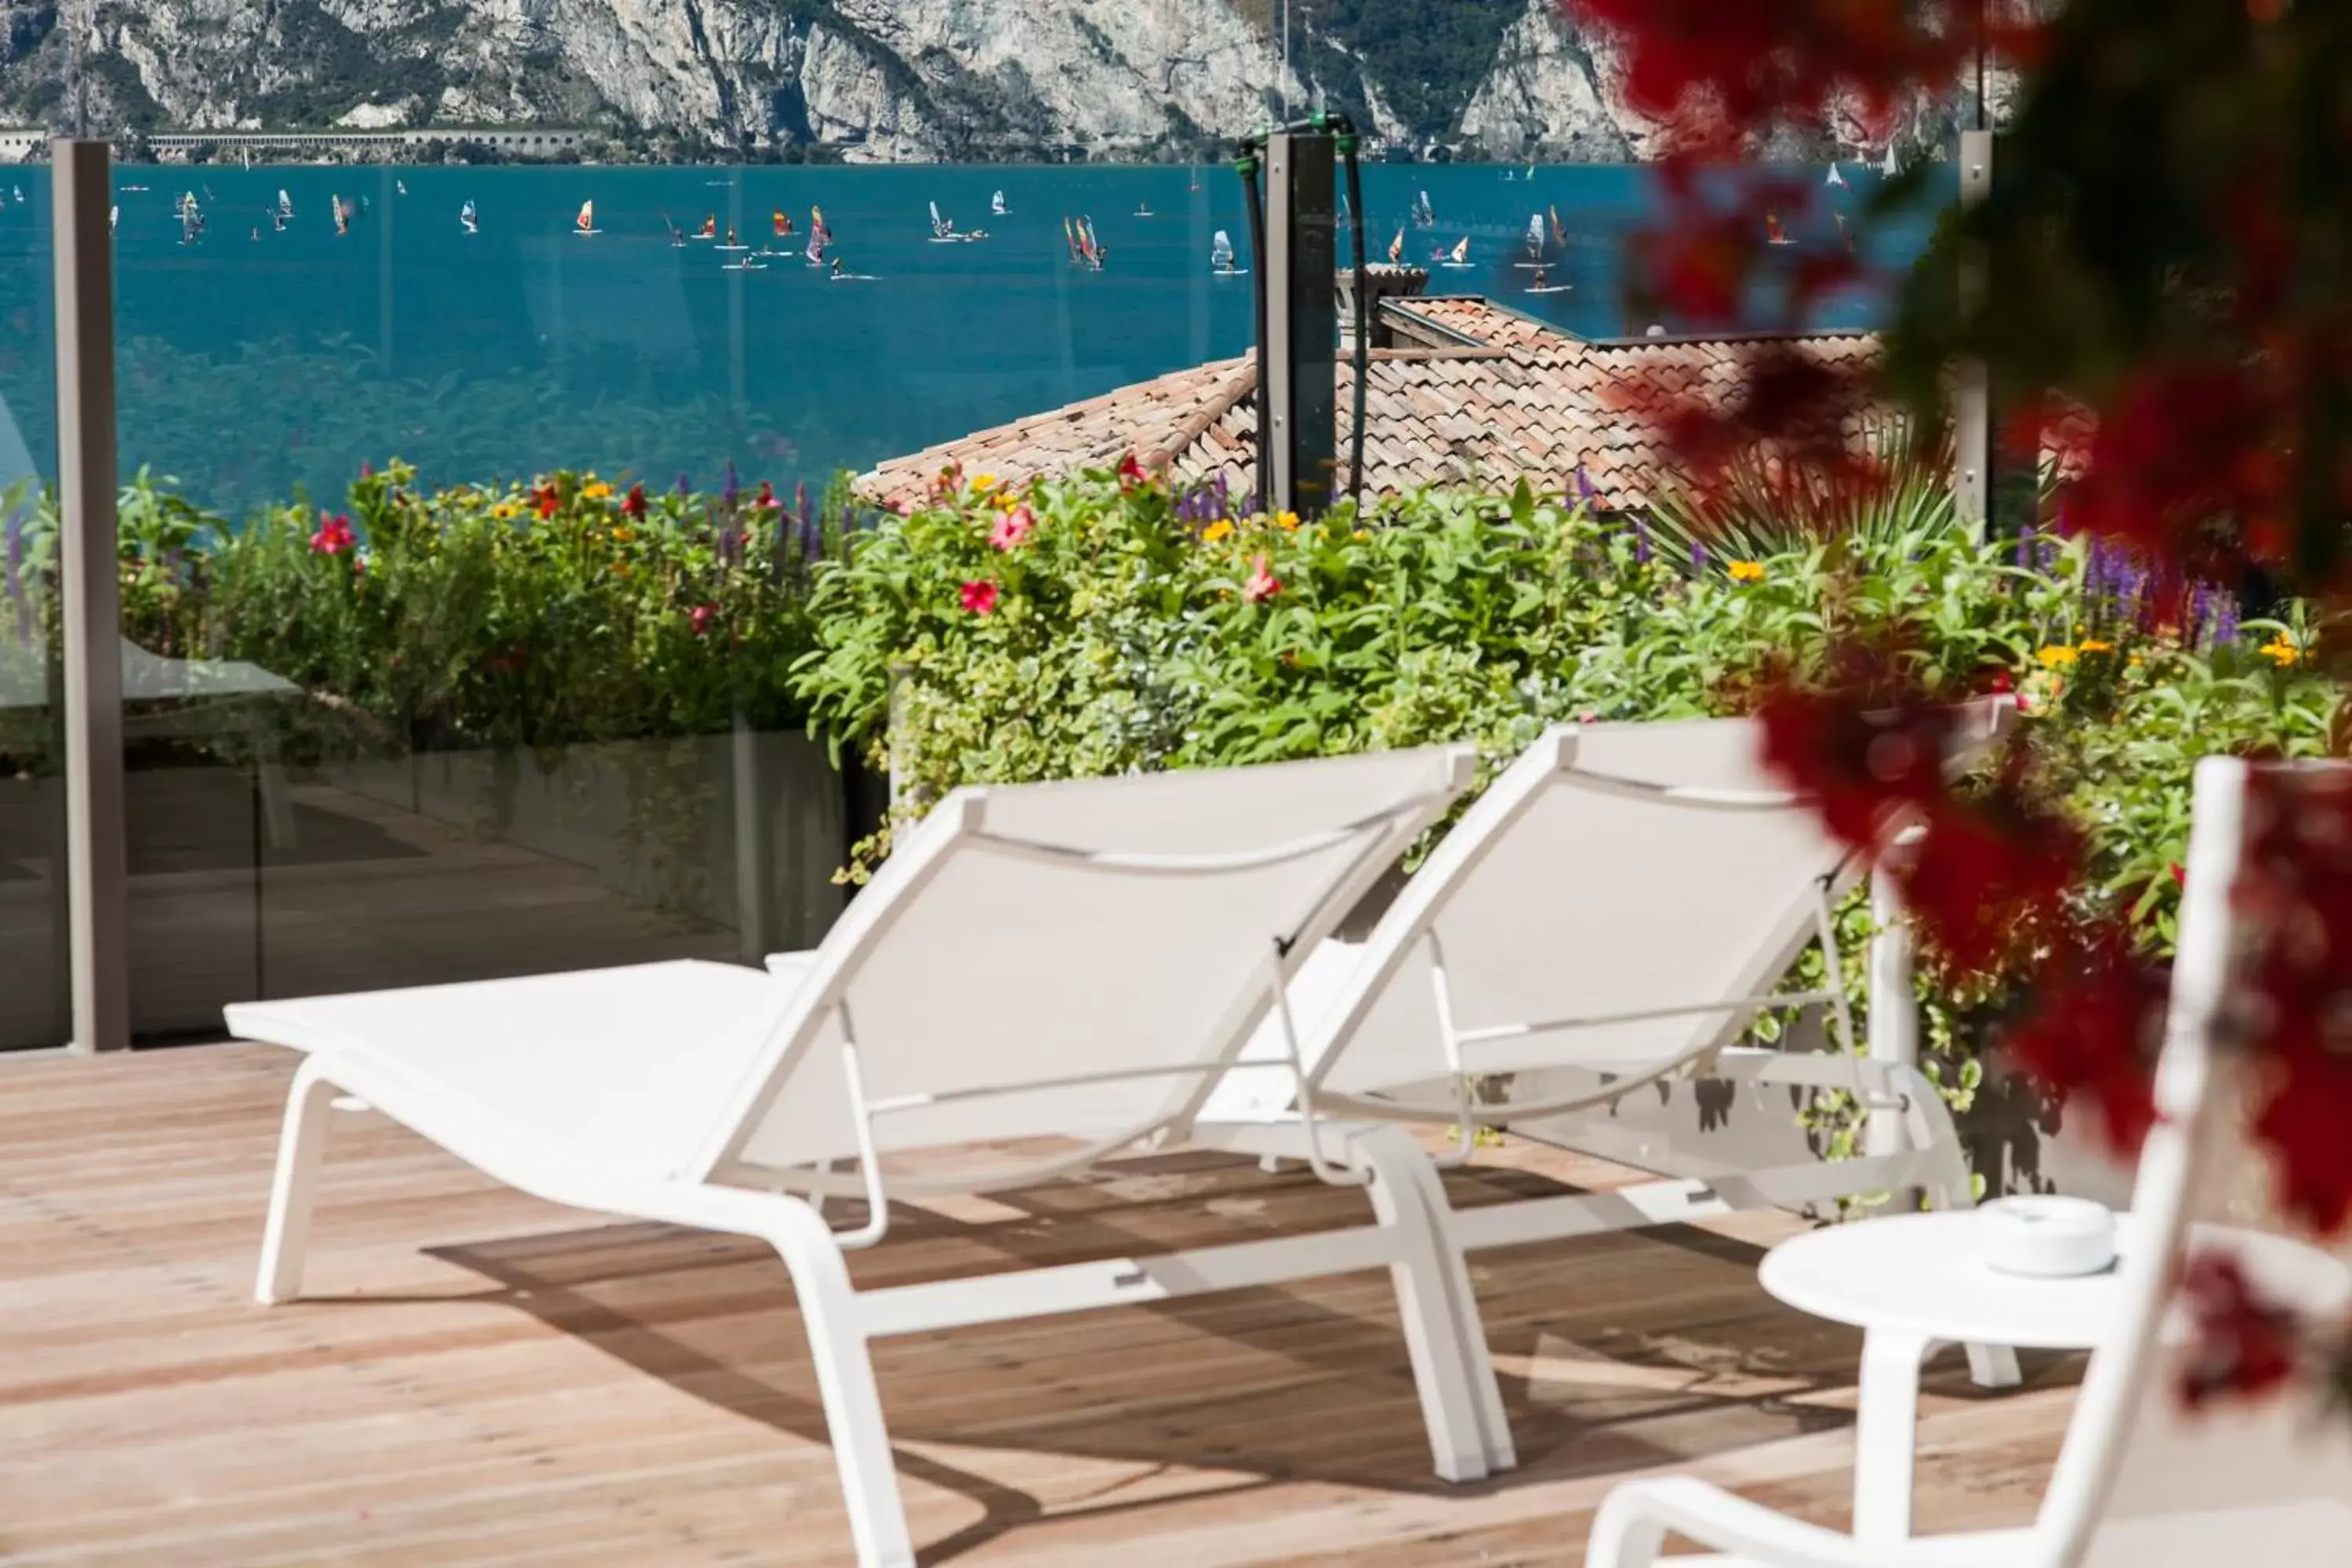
pixel 482 1378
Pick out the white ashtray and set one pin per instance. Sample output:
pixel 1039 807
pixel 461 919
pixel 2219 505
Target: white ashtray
pixel 2047 1237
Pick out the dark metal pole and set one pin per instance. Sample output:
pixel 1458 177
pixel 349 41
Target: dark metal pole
pixel 96 860
pixel 1973 421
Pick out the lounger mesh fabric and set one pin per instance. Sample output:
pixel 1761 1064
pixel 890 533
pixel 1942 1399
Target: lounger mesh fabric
pixel 1598 898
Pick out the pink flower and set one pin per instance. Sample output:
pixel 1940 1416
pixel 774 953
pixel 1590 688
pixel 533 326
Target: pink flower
pixel 1013 529
pixel 980 596
pixel 334 535
pixel 1263 583
pixel 700 618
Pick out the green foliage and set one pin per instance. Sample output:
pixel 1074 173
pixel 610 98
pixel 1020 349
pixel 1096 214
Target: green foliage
pixel 468 617
pixel 1125 635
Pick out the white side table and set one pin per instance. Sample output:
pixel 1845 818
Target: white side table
pixel 1917 1283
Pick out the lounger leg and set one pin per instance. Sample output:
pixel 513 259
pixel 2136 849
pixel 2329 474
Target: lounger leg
pixel 1461 1403
pixel 844 1377
pixel 1930 1122
pixel 301 1143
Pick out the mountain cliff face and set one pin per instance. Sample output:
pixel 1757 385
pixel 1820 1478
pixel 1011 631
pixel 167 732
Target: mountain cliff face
pixel 859 79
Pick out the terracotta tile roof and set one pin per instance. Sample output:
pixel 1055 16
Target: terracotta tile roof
pixel 1478 392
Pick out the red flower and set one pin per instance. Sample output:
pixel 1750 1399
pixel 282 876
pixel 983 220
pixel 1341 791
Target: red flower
pixel 1263 583
pixel 334 535
pixel 2293 898
pixel 767 496
pixel 950 480
pixel 980 596
pixel 633 505
pixel 700 618
pixel 2092 1034
pixel 2243 1346
pixel 545 498
pixel 1013 529
pixel 1131 472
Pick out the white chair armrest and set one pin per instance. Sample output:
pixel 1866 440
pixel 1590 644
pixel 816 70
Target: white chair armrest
pixel 1632 1526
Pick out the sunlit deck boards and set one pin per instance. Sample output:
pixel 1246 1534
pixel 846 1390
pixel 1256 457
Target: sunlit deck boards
pixel 483 1379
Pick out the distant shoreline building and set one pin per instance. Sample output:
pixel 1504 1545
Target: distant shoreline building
pixel 519 143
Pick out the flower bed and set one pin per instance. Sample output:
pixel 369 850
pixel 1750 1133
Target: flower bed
pixel 1109 624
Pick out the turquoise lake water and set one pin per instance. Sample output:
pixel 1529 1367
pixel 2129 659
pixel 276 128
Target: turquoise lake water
pixel 257 362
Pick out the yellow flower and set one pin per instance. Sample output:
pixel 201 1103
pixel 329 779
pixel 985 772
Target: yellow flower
pixel 620 568
pixel 1746 571
pixel 2092 644
pixel 1216 530
pixel 1362 534
pixel 1287 520
pixel 2056 655
pixel 2280 652
pixel 506 511
pixel 985 483
pixel 600 490
pixel 620 536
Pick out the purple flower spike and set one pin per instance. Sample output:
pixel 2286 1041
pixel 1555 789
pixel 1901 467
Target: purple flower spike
pixel 685 487
pixel 2225 618
pixel 728 494
pixel 1641 541
pixel 2027 554
pixel 1698 556
pixel 800 502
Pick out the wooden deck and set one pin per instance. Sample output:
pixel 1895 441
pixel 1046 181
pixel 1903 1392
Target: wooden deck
pixel 484 1379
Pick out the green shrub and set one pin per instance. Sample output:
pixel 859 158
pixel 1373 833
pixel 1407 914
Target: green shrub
pixel 1122 631
pixel 570 610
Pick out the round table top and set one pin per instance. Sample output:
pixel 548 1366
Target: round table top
pixel 1925 1274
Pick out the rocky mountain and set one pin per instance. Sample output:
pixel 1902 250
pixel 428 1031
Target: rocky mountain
pixel 856 80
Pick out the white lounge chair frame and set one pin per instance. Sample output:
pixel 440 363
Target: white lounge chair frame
pixel 2176 1161
pixel 1914 1142
pixel 730 1186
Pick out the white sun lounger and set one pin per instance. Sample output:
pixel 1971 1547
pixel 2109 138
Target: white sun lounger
pixel 2138 1482
pixel 1073 962
pixel 1603 924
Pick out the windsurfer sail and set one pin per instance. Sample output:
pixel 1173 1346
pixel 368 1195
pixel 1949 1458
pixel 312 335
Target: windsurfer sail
pixel 943 228
pixel 1085 250
pixel 113 218
pixel 1535 241
pixel 285 206
pixel 584 223
pixel 781 222
pixel 343 215
pixel 469 219
pixel 1773 233
pixel 1423 215
pixel 1558 231
pixel 1221 253
pixel 1459 256
pixel 709 229
pixel 1835 177
pixel 996 204
pixel 1892 165
pixel 1396 249
pixel 400 187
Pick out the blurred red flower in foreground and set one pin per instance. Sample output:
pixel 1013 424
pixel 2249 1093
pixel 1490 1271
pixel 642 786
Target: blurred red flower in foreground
pixel 979 596
pixel 2242 1346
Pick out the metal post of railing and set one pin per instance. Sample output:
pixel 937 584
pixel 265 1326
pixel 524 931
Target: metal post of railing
pixel 96 860
pixel 754 858
pixel 1972 384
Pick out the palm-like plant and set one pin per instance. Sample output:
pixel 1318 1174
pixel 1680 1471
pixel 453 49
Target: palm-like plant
pixel 1761 507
